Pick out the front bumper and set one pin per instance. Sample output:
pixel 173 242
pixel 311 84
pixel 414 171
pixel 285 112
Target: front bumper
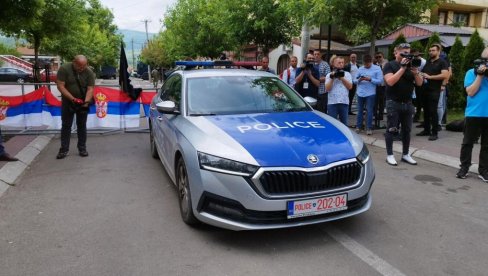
pixel 230 202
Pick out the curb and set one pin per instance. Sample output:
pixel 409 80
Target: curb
pixel 11 171
pixel 430 156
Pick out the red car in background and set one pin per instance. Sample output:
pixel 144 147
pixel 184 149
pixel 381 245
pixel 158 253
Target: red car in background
pixel 52 76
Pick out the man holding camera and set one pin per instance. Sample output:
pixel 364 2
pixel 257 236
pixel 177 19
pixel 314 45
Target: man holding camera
pixel 308 78
pixel 476 118
pixel 337 84
pixel 400 77
pixel 435 71
pixel 75 81
pixel 368 77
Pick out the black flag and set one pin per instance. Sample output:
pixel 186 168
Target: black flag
pixel 124 80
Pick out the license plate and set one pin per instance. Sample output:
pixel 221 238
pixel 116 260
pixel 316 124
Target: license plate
pixel 316 206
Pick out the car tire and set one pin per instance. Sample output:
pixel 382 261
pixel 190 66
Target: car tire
pixel 154 150
pixel 184 193
pixel 20 80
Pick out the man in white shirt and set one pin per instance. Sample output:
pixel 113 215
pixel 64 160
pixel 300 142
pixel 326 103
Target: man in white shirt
pixel 290 73
pixel 352 67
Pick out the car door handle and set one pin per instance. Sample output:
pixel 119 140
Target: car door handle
pixel 160 118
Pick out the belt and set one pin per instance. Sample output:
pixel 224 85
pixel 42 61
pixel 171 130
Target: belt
pixel 403 102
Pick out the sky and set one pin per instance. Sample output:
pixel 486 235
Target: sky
pixel 131 14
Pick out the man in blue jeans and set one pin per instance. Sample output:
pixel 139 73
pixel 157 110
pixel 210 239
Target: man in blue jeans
pixel 4 156
pixel 476 119
pixel 368 77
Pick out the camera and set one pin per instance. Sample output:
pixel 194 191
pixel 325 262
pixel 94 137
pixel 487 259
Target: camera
pixel 309 65
pixel 478 63
pixel 415 60
pixel 337 74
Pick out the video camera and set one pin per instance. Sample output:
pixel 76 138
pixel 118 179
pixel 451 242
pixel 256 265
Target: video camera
pixel 337 74
pixel 309 65
pixel 415 60
pixel 478 63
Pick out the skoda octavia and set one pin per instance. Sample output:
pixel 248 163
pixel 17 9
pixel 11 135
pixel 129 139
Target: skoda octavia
pixel 247 152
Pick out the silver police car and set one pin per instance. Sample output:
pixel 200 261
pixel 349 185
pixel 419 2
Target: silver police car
pixel 247 152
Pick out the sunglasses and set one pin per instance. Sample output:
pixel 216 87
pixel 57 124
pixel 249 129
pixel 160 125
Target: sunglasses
pixel 404 45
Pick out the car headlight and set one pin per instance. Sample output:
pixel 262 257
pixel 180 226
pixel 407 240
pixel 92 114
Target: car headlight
pixel 222 165
pixel 363 156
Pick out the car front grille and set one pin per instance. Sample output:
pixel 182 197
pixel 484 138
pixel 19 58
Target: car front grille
pixel 297 182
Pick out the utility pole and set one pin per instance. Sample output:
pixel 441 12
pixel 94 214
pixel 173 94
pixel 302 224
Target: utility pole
pixel 147 37
pixel 133 57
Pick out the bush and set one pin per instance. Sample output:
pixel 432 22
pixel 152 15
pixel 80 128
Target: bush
pixel 457 94
pixel 398 40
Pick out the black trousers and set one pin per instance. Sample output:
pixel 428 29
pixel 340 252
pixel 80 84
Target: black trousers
pixel 431 118
pixel 352 92
pixel 398 113
pixel 419 101
pixel 473 128
pixel 379 105
pixel 68 111
pixel 322 101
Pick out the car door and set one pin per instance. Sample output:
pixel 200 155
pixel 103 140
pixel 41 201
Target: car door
pixel 3 74
pixel 164 122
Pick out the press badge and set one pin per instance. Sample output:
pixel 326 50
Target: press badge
pixel 305 85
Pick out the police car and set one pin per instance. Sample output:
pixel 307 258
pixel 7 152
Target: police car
pixel 247 152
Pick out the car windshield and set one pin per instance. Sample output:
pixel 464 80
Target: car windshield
pixel 241 94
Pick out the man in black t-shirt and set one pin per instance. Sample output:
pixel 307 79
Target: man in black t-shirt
pixel 308 79
pixel 400 78
pixel 435 71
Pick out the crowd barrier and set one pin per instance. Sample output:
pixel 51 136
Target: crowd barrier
pixel 39 111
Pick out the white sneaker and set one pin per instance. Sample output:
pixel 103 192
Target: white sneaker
pixel 407 158
pixel 390 159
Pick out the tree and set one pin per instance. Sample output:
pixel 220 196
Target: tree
pixel 264 23
pixel 473 50
pixel 400 39
pixel 14 14
pixel 416 45
pixel 382 15
pixel 457 94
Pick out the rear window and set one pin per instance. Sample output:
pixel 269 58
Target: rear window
pixel 240 95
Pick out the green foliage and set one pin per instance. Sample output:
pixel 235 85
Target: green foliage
pixel 473 50
pixel 433 39
pixel 400 39
pixel 417 45
pixel 6 50
pixel 15 14
pixel 457 94
pixel 379 16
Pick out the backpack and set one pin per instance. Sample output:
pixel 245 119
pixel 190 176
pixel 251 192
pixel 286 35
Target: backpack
pixel 287 74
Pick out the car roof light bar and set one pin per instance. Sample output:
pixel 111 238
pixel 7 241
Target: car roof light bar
pixel 191 64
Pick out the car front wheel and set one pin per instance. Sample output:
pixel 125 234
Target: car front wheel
pixel 184 194
pixel 20 80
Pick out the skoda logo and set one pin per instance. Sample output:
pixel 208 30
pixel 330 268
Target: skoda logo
pixel 313 159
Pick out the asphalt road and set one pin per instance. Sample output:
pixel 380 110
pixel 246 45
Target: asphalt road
pixel 116 213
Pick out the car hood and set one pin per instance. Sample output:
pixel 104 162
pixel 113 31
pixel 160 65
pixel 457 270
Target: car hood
pixel 290 139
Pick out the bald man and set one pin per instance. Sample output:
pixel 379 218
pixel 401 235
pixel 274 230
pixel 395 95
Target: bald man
pixel 75 81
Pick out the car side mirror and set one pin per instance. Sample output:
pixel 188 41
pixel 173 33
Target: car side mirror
pixel 167 107
pixel 311 101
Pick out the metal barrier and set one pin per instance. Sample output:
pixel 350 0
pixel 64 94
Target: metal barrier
pixel 26 88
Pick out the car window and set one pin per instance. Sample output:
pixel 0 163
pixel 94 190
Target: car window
pixel 172 90
pixel 241 94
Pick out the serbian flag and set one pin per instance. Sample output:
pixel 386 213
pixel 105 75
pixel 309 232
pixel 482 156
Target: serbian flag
pixel 22 111
pixel 146 98
pixel 113 108
pixel 51 111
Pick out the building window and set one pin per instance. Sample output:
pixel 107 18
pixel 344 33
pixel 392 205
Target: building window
pixel 442 17
pixel 460 19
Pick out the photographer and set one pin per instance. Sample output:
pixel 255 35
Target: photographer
pixel 400 77
pixel 368 77
pixel 75 81
pixel 435 71
pixel 476 118
pixel 307 80
pixel 337 84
